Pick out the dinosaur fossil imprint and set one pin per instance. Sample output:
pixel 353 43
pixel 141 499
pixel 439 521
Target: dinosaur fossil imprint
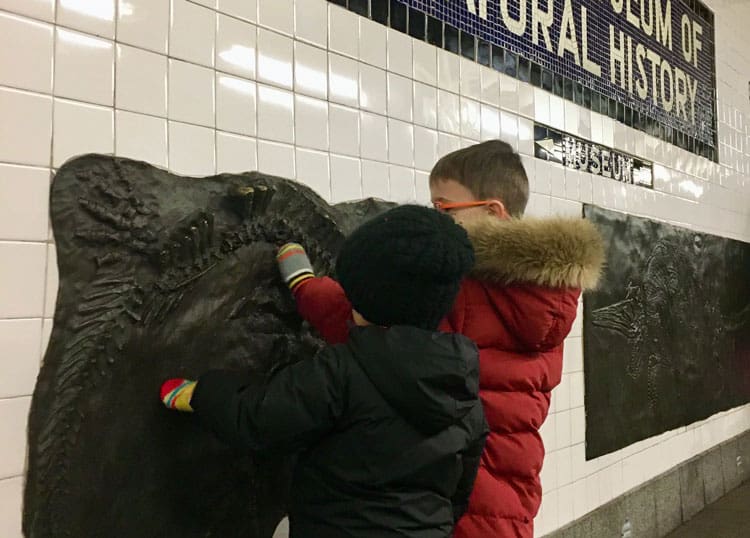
pixel 165 276
pixel 667 335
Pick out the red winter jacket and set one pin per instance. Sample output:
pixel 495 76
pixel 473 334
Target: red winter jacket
pixel 518 306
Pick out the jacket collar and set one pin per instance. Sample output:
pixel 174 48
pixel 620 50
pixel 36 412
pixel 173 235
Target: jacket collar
pixel 555 252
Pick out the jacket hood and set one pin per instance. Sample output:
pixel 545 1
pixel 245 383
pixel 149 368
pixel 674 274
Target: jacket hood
pixel 431 379
pixel 556 252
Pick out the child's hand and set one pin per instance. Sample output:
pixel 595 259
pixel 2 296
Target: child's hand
pixel 294 265
pixel 176 394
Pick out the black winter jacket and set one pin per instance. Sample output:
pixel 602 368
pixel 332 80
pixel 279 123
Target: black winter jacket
pixel 389 425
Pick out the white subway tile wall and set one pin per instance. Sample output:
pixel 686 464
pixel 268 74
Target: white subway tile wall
pixel 304 89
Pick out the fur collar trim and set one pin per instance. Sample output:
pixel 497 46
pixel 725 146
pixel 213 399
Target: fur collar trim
pixel 555 252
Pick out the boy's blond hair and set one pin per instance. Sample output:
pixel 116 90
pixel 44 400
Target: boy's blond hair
pixel 489 170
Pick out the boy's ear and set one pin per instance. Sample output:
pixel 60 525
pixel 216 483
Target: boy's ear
pixel 497 209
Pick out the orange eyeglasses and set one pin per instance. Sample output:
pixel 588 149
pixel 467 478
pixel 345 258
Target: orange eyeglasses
pixel 443 206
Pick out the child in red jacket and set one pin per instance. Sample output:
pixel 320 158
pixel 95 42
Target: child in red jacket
pixel 518 306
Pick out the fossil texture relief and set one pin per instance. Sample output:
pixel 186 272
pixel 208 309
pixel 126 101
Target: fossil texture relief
pixel 161 276
pixel 667 334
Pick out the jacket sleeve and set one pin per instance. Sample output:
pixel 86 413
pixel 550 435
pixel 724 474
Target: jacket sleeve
pixel 292 409
pixel 323 304
pixel 470 459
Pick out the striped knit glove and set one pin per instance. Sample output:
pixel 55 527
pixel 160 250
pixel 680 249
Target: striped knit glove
pixel 294 265
pixel 176 394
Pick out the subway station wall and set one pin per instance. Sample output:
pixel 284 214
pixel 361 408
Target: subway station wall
pixel 317 92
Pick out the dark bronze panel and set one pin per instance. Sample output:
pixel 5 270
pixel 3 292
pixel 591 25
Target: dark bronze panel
pixel 667 333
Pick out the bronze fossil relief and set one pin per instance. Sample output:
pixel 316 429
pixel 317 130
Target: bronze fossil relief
pixel 165 276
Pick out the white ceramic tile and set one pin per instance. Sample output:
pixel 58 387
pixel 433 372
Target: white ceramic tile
pixel 19 363
pixel 141 81
pixel 448 118
pixel 399 97
pixel 310 21
pixel 46 332
pixel 548 474
pixel 449 72
pixel 563 428
pixel 548 520
pixel 399 53
pixel 402 184
pixel 527 100
pixel 95 17
pixel 81 128
pixel 578 425
pixel 346 178
pixel 425 105
pixel 525 136
pixel 192 32
pixel 235 153
pixel 471 85
pixel 141 137
pixel 509 128
pixel 276 159
pixel 310 70
pixel 11 500
pixel 191 149
pixel 556 111
pixel 576 389
pixel 310 123
pixel 490 86
pixel 565 512
pixel 470 119
pixel 372 43
pixel 573 351
pixel 425 148
pixel 422 180
pixel 211 4
pixel 375 180
pixel 313 170
pixel 541 106
pixel 278 16
pixel 372 89
pixel 13 420
pixel 343 80
pixel 191 93
pixel 343 31
pixel 28 67
pixel 344 130
pixel 84 67
pixel 490 122
pixel 38 9
pixel 275 114
pixel 425 62
pixel 26 127
pixel 236 42
pixel 508 93
pixel 447 144
pixel 144 23
pixel 24 194
pixel 548 432
pixel 235 105
pixel 400 143
pixel 275 59
pixel 242 9
pixel 571 117
pixel 564 467
pixel 52 283
pixel 22 274
pixel 561 394
pixel 374 136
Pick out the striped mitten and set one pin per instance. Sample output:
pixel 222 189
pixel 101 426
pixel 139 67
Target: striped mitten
pixel 176 394
pixel 294 265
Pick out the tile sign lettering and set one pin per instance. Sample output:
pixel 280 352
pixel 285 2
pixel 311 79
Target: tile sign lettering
pixel 647 63
pixel 578 154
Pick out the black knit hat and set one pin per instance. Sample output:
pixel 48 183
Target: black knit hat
pixel 404 267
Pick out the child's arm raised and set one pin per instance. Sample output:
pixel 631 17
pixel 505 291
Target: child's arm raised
pixel 320 301
pixel 292 409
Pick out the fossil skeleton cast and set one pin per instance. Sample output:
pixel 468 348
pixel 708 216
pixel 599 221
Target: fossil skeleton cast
pixel 161 276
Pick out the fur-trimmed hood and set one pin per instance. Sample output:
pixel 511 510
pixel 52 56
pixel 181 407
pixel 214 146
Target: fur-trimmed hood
pixel 555 252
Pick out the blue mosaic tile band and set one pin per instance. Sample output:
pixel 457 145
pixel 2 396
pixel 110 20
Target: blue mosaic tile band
pixel 647 63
